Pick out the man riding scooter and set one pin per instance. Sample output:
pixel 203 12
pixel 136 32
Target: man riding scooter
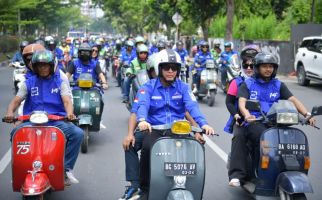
pixel 164 92
pixel 200 64
pixel 136 65
pixel 184 56
pixel 18 55
pixel 84 64
pixel 54 99
pixel 265 88
pixel 132 143
pixel 224 61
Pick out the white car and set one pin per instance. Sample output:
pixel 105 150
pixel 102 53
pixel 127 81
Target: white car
pixel 308 60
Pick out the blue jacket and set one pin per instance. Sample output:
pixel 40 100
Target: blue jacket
pixel 153 49
pixel 265 92
pixel 44 95
pixel 225 56
pixel 17 57
pixel 80 68
pixel 182 53
pixel 126 57
pixel 163 105
pixel 230 123
pixel 200 58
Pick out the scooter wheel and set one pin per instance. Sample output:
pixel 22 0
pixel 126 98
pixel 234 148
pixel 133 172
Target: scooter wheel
pixel 84 147
pixel 36 197
pixel 286 196
pixel 211 99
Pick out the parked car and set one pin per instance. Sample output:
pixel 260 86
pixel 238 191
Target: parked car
pixel 308 60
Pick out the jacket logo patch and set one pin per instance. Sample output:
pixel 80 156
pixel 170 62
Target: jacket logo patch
pixel 78 70
pixel 253 95
pixel 177 96
pixel 156 97
pixel 54 90
pixel 34 91
pixel 273 95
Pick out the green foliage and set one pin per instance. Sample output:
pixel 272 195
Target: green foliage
pixel 8 44
pixel 318 11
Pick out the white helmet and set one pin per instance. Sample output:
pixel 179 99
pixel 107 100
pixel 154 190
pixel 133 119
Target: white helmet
pixel 168 56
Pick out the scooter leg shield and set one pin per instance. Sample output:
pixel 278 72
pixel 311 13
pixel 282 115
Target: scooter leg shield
pixel 36 185
pixel 294 182
pixel 180 194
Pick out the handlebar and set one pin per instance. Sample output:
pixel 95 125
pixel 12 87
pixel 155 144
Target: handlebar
pixel 50 118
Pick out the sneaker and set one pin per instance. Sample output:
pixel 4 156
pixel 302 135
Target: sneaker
pixel 125 101
pixel 195 90
pixel 71 177
pixel 67 181
pixel 130 193
pixel 234 182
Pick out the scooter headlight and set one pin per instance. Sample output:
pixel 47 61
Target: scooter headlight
pixel 180 181
pixel 181 128
pixel 38 118
pixel 287 118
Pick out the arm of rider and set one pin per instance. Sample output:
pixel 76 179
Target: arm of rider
pixel 198 136
pixel 302 109
pixel 68 105
pixel 103 81
pixel 130 139
pixel 14 104
pixel 242 107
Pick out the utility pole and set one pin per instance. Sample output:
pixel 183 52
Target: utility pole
pixel 312 10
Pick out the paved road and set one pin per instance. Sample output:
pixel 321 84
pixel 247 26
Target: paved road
pixel 101 170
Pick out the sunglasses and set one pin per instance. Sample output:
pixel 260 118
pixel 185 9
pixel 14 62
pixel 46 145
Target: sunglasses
pixel 85 53
pixel 168 67
pixel 245 66
pixel 94 50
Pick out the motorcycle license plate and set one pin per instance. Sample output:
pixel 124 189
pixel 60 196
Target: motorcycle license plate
pixel 295 149
pixel 180 169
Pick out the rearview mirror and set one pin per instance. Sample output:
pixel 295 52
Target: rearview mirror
pixel 253 105
pixel 317 110
pixel 9 57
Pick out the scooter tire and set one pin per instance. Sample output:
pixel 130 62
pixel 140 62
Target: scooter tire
pixel 84 147
pixel 211 99
pixel 36 197
pixel 286 196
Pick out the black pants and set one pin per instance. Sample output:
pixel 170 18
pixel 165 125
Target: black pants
pixel 148 141
pixel 239 149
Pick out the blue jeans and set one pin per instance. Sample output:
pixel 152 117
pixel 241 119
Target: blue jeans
pixel 132 162
pixel 127 87
pixel 74 138
pixel 196 78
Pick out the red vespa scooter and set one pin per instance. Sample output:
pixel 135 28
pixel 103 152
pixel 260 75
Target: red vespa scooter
pixel 38 157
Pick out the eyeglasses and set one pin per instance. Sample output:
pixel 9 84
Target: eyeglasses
pixel 168 67
pixel 245 66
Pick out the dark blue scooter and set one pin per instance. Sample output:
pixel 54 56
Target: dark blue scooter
pixel 284 159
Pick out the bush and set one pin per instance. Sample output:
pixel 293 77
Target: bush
pixel 8 44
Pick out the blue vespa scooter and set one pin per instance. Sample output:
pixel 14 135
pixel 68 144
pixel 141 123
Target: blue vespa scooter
pixel 284 158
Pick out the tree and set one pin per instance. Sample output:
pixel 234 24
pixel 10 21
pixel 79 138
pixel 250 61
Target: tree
pixel 230 20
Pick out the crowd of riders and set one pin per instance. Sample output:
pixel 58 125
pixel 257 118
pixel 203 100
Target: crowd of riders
pixel 68 57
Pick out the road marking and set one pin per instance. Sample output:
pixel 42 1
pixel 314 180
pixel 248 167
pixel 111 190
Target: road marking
pixel 102 126
pixel 216 149
pixel 5 161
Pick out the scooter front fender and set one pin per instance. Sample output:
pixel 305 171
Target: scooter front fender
pixel 180 194
pixel 211 86
pixel 35 185
pixel 294 182
pixel 85 119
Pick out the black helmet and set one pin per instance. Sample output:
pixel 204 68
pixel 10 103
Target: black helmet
pixel 161 45
pixel 43 56
pixel 265 58
pixel 179 43
pixel 84 52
